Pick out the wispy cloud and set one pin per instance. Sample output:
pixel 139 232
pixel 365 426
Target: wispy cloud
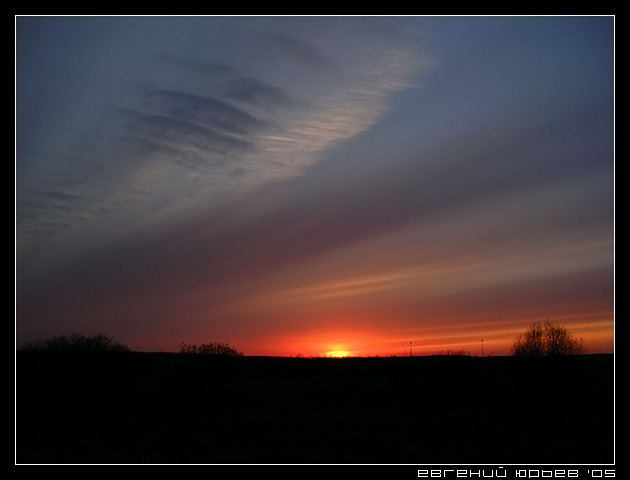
pixel 207 128
pixel 206 111
pixel 175 132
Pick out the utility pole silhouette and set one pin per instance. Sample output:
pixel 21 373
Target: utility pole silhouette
pixel 482 347
pixel 410 354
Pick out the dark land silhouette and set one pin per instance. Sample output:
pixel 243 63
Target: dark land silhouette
pixel 132 407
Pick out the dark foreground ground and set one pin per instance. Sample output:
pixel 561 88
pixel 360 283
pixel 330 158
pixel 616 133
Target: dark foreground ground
pixel 171 408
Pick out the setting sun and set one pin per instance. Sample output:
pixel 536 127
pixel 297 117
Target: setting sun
pixel 338 354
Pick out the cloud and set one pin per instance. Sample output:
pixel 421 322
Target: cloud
pixel 235 117
pixel 254 91
pixel 226 82
pixel 175 132
pixel 153 152
pixel 206 111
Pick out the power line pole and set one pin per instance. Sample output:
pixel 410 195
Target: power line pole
pixel 482 347
pixel 410 354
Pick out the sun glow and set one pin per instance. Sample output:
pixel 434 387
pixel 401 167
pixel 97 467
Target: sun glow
pixel 338 354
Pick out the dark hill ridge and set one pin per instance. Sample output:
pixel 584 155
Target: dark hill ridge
pixel 174 408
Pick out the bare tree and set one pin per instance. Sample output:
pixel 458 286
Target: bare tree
pixel 76 342
pixel 547 339
pixel 214 348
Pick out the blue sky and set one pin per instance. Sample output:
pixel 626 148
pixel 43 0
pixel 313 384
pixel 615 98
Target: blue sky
pixel 307 184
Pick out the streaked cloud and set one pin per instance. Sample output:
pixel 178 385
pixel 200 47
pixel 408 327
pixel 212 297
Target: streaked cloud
pixel 203 119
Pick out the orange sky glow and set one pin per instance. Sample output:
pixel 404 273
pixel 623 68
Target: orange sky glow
pixel 304 186
pixel 595 329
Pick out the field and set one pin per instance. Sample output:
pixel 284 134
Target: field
pixel 161 408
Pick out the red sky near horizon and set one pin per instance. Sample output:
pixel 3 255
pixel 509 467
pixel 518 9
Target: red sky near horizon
pixel 315 186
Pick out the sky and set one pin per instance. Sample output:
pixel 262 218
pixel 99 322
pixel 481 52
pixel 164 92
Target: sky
pixel 298 186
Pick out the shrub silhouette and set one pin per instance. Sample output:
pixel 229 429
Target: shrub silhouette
pixel 547 339
pixel 76 342
pixel 214 348
pixel 453 353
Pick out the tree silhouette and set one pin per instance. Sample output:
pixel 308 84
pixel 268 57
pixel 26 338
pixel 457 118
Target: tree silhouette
pixel 76 342
pixel 547 339
pixel 213 348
